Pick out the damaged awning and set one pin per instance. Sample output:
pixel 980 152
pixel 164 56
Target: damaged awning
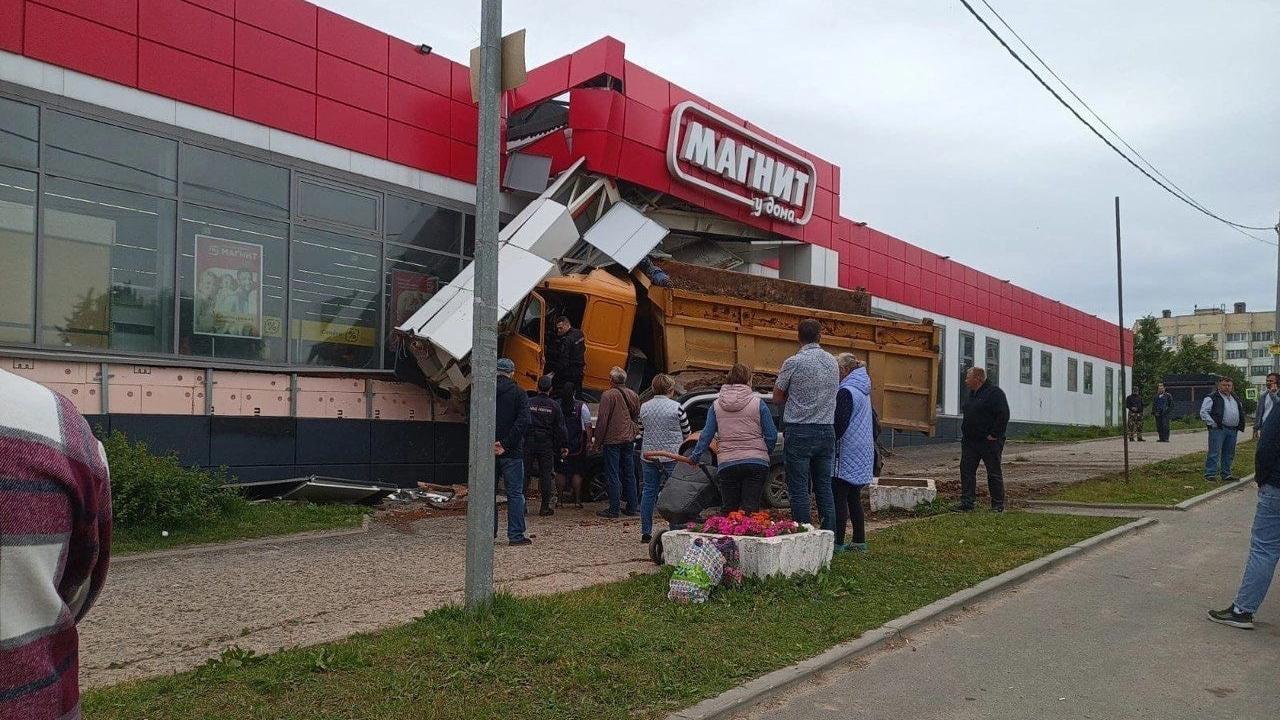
pixel 577 223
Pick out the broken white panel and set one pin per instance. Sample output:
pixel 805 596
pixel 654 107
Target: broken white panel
pixel 450 328
pixel 548 233
pixel 625 235
pixel 519 272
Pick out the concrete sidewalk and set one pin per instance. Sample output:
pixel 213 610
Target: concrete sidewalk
pixel 1120 633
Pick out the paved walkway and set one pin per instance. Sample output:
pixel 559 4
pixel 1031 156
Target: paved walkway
pixel 1119 633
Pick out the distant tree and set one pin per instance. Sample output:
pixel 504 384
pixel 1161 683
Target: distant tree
pixel 1150 357
pixel 1192 357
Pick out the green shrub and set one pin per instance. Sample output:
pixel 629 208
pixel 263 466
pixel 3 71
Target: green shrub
pixel 150 490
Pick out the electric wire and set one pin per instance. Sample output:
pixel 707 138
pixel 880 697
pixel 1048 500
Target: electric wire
pixel 1177 194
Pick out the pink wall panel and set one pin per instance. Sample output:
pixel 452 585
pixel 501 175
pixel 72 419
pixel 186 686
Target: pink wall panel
pixel 224 7
pixel 275 57
pixel 353 84
pixel 349 127
pixel 196 80
pixel 293 19
pixel 349 39
pixel 189 28
pixel 79 44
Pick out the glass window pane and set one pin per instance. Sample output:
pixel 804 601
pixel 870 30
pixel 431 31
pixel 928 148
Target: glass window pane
pixel 94 150
pixel 334 299
pixel 412 277
pixel 331 204
pixel 107 271
pixel 1046 369
pixel 231 281
pixel 19 127
pixel 469 237
pixel 17 255
pixel 422 225
pixel 234 182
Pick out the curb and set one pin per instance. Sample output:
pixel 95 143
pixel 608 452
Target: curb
pixel 1184 505
pixel 745 696
pixel 210 548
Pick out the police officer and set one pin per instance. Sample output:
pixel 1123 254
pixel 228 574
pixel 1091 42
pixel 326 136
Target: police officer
pixel 568 362
pixel 545 441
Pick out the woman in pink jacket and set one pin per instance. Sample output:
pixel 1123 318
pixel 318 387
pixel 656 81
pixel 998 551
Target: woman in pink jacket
pixel 742 424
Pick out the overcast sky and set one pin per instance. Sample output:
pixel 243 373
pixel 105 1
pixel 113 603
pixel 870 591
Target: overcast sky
pixel 945 142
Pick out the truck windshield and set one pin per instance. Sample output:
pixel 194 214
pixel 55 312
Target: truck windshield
pixel 531 323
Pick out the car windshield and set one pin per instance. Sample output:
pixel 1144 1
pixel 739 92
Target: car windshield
pixel 698 408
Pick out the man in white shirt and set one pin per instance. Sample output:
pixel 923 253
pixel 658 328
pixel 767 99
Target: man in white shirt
pixel 1223 413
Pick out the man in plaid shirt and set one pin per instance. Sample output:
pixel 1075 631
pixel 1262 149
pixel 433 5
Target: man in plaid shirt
pixel 55 539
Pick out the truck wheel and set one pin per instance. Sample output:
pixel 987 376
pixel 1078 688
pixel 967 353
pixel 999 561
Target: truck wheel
pixel 655 548
pixel 595 490
pixel 775 488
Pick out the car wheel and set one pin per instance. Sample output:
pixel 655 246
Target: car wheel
pixel 775 488
pixel 655 548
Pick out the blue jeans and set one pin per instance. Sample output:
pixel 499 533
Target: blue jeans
pixel 1221 442
pixel 618 459
pixel 807 453
pixel 511 470
pixel 655 474
pixel 1264 550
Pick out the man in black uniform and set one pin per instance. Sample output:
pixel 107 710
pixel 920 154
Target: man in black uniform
pixel 986 417
pixel 568 361
pixel 546 441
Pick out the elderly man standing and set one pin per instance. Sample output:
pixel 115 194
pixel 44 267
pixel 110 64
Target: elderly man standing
pixel 615 432
pixel 806 388
pixel 55 542
pixel 1223 413
pixel 986 418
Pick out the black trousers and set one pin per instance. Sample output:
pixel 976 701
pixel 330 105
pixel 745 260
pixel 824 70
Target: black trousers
pixel 540 460
pixel 1162 427
pixel 741 487
pixel 987 452
pixel 849 507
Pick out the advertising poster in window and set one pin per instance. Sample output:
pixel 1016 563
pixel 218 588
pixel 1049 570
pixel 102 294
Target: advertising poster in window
pixel 228 300
pixel 410 291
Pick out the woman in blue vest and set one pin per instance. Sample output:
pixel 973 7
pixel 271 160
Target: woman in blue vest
pixel 855 450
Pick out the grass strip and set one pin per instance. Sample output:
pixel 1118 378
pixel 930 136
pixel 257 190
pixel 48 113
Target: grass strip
pixel 1167 482
pixel 618 650
pixel 240 522
pixel 1071 433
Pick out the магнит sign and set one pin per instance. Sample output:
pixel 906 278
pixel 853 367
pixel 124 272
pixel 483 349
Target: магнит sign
pixel 773 181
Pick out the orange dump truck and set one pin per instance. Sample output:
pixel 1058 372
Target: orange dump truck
pixel 704 320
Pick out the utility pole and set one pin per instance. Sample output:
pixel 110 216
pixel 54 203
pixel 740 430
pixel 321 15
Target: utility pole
pixel 1120 304
pixel 484 328
pixel 1275 337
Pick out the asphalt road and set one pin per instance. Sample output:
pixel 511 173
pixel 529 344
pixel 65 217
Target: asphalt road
pixel 1119 633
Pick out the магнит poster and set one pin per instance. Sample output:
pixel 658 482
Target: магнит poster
pixel 228 300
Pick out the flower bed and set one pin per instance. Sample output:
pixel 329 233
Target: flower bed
pixel 740 524
pixel 766 547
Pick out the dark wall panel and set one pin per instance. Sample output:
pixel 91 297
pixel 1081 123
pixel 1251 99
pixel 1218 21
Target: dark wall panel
pixel 359 473
pixel 235 441
pixel 402 475
pixel 331 440
pixel 451 443
pixel 402 441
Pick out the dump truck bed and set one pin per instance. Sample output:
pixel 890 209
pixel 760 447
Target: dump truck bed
pixel 753 320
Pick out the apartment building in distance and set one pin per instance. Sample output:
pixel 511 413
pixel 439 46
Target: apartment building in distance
pixel 1242 338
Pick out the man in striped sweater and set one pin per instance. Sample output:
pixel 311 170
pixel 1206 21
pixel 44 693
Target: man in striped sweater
pixel 55 539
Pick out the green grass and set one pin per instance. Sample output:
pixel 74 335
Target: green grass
pixel 1059 433
pixel 615 651
pixel 240 522
pixel 1168 482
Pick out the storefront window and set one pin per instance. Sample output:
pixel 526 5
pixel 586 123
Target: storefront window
pixel 334 299
pixel 107 269
pixel 424 226
pixel 93 150
pixel 412 277
pixel 234 183
pixel 231 279
pixel 19 133
pixel 17 255
pixel 321 201
pixel 469 236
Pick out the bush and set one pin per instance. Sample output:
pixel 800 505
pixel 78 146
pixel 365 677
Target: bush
pixel 150 490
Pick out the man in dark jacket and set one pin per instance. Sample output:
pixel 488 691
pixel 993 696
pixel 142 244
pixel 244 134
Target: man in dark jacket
pixel 1264 545
pixel 1162 408
pixel 511 424
pixel 1223 413
pixel 1133 408
pixel 568 361
pixel 545 441
pixel 986 417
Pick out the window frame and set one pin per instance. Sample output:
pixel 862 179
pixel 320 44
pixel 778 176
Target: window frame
pixel 1073 375
pixel 1026 364
pixel 1046 362
pixel 1088 378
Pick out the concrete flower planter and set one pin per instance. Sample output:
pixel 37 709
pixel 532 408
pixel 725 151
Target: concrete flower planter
pixel 802 553
pixel 904 493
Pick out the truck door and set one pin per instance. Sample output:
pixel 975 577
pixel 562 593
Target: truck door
pixel 524 346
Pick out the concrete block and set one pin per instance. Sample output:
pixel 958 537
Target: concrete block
pixel 905 493
pixel 802 553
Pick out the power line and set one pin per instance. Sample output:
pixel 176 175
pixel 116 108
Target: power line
pixel 1180 196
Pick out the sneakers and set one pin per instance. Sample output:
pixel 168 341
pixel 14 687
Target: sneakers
pixel 1244 621
pixel 606 514
pixel 856 547
pixel 646 538
pixel 521 541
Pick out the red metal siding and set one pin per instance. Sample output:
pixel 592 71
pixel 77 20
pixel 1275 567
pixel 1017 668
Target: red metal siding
pixel 275 58
pixel 118 14
pixel 348 39
pixel 11 25
pixel 349 127
pixel 189 28
pixel 189 78
pixel 353 84
pixel 293 19
pixel 271 103
pixel 80 44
